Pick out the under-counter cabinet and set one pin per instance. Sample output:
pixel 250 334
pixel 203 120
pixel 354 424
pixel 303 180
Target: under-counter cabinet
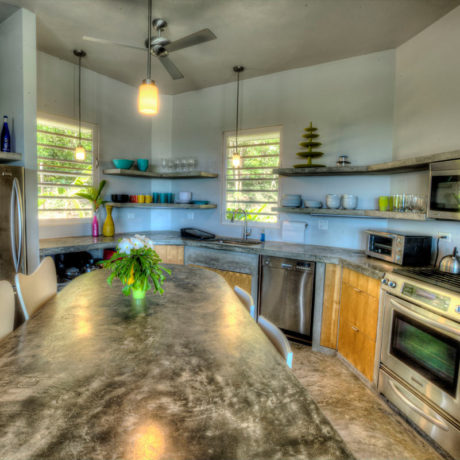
pixel 170 254
pixel 359 309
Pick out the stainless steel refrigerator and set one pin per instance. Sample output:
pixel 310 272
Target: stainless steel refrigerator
pixel 13 256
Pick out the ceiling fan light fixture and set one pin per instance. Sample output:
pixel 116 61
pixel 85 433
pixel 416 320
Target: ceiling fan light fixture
pixel 147 101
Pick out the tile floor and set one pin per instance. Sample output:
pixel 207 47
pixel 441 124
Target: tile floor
pixel 368 426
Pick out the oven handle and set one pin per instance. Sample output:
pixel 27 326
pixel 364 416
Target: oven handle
pixel 444 327
pixel 433 420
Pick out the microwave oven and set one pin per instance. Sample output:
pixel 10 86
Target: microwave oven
pixel 444 193
pixel 399 248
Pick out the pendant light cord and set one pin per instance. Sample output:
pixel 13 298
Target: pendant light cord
pixel 149 54
pixel 79 99
pixel 237 108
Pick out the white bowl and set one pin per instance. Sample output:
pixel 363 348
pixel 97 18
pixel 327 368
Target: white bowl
pixel 312 204
pixel 332 201
pixel 349 201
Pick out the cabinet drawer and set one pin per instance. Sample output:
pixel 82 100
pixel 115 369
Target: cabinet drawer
pixel 364 283
pixel 359 309
pixel 357 348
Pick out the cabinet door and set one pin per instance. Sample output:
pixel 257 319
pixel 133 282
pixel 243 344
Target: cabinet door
pixel 331 306
pixel 170 254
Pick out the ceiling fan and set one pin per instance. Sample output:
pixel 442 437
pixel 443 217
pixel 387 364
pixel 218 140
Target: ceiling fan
pixel 161 47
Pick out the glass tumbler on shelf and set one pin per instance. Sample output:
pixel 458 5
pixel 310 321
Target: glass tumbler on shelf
pixel 397 202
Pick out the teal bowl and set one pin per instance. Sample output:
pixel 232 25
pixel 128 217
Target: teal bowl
pixel 122 164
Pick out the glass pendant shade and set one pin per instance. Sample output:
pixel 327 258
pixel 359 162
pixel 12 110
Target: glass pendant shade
pixel 236 160
pixel 148 98
pixel 80 153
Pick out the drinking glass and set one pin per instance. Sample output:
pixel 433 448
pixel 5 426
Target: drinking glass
pixel 183 164
pixel 398 202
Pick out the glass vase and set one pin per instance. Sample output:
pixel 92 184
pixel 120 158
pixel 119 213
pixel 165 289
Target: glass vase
pixel 95 225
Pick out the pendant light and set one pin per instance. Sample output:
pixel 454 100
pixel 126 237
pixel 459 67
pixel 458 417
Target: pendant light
pixel 147 101
pixel 80 153
pixel 236 159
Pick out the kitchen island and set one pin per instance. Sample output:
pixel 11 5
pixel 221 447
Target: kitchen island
pixel 188 376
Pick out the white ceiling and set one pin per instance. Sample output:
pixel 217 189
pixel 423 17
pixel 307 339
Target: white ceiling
pixel 265 36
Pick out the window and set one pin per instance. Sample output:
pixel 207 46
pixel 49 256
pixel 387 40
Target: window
pixel 252 187
pixel 60 175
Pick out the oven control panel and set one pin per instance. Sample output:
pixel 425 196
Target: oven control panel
pixel 438 300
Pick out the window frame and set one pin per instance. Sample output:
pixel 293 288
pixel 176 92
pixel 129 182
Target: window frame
pixel 96 163
pixel 243 132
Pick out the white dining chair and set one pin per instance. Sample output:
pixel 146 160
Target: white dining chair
pixel 6 308
pixel 247 300
pixel 277 338
pixel 35 289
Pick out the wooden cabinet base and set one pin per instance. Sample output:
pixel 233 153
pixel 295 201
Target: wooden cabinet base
pixel 170 254
pixel 242 280
pixel 331 306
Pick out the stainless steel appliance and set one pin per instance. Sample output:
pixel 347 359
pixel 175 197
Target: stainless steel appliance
pixel 287 294
pixel 444 194
pixel 399 248
pixel 12 224
pixel 420 353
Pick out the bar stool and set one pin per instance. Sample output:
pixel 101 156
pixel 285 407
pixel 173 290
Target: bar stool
pixel 247 300
pixel 36 289
pixel 277 338
pixel 6 308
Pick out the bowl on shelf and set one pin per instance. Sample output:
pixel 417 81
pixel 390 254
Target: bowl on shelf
pixel 142 164
pixel 201 202
pixel 117 198
pixel 312 204
pixel 122 164
pixel 349 201
pixel 333 201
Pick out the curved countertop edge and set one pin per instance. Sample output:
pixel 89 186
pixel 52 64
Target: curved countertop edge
pixel 350 258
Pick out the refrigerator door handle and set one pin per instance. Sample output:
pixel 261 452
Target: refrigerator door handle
pixel 15 206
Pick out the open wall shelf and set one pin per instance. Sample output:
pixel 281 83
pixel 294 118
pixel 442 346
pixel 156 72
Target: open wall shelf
pixel 163 205
pixel 9 156
pixel 369 213
pixel 392 167
pixel 157 175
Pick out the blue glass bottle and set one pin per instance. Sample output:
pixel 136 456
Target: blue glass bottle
pixel 6 139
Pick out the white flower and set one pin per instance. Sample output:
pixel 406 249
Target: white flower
pixel 125 246
pixel 147 242
pixel 137 243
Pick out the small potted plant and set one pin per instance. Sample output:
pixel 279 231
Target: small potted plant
pixel 93 195
pixel 137 266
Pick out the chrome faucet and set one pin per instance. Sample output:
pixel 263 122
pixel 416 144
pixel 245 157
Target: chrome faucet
pixel 246 231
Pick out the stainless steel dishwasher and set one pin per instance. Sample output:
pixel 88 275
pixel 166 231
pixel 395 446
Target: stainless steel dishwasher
pixel 286 296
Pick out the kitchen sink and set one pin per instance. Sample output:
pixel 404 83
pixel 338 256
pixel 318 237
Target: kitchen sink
pixel 239 241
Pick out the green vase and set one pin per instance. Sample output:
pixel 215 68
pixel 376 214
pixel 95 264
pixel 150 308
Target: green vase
pixel 138 294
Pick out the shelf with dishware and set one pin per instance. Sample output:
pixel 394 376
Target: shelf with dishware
pixel 370 213
pixel 9 156
pixel 163 205
pixel 160 175
pixel 420 163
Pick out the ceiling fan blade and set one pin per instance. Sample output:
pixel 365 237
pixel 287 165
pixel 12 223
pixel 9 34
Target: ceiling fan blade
pixel 196 38
pixel 102 41
pixel 171 68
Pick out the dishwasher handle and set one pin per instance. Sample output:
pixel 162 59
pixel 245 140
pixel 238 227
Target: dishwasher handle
pixel 297 267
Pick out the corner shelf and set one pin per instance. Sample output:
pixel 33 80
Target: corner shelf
pixel 392 167
pixel 163 205
pixel 366 213
pixel 9 156
pixel 155 175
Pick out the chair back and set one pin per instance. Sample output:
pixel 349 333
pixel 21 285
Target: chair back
pixel 36 289
pixel 277 338
pixel 6 308
pixel 247 300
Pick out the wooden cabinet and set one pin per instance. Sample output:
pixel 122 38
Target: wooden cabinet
pixel 359 308
pixel 331 306
pixel 170 254
pixel 243 280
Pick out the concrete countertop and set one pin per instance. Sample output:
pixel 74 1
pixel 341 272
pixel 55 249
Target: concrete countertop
pixel 351 258
pixel 189 375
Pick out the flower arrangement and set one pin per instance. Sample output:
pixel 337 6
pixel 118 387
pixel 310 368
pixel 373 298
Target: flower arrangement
pixel 93 195
pixel 137 266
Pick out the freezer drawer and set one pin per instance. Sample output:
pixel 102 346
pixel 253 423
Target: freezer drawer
pixel 287 293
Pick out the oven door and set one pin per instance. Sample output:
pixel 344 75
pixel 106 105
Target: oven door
pixel 444 197
pixel 423 349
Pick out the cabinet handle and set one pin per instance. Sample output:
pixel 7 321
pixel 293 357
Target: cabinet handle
pixel 357 290
pixel 355 328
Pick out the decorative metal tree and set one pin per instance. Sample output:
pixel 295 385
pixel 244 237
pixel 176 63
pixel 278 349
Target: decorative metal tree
pixel 309 145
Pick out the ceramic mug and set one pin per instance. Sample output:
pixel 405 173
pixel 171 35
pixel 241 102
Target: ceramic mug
pixel 140 198
pixel 163 197
pixel 384 203
pixel 185 197
pixel 148 198
pixel 132 198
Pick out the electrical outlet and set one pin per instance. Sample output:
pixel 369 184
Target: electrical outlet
pixel 445 236
pixel 323 224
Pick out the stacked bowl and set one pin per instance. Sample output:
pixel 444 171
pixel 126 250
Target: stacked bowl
pixel 291 201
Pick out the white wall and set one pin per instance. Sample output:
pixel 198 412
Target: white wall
pixel 123 133
pixel 18 101
pixel 351 101
pixel 427 109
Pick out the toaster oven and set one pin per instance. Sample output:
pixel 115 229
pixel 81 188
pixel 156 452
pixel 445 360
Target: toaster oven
pixel 399 248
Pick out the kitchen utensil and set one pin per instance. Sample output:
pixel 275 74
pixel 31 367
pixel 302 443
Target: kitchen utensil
pixel 332 201
pixel 122 164
pixel 142 164
pixel 117 198
pixel 450 264
pixel 349 201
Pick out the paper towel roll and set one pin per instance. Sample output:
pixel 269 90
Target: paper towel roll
pixel 293 232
